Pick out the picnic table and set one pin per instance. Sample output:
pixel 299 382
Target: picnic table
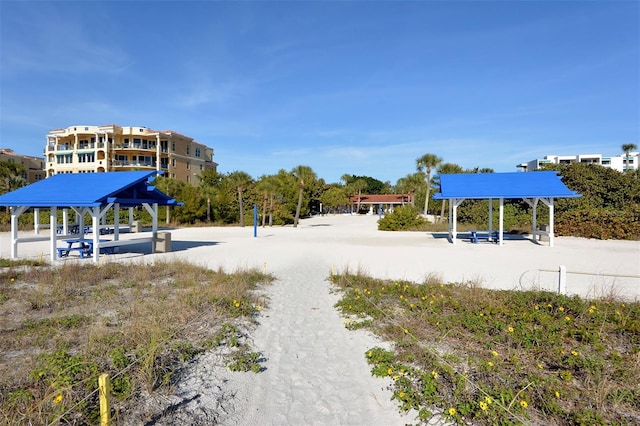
pixel 492 237
pixel 83 246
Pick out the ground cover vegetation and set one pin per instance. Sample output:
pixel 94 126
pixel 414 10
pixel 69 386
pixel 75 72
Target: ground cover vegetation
pixel 61 327
pixel 608 209
pixel 477 356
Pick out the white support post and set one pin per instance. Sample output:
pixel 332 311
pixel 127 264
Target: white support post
pixel 501 229
pixel 130 217
pixel 535 220
pixel 454 229
pixel 65 221
pixel 53 226
pixel 562 280
pixel 36 220
pixel 14 232
pixel 95 222
pixel 551 231
pixel 15 214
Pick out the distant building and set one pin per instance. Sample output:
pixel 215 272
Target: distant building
pixel 617 162
pixel 95 149
pixel 33 166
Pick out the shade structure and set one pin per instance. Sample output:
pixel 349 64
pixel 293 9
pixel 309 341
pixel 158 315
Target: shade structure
pixel 532 187
pixel 85 193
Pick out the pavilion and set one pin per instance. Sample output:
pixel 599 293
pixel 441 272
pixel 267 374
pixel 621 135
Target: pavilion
pixel 90 194
pixel 532 187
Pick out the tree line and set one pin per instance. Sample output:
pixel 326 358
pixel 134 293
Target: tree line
pixel 285 197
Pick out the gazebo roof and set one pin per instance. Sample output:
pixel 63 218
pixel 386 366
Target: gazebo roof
pixel 129 189
pixel 545 184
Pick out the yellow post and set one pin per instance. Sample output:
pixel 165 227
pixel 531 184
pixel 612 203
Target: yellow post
pixel 104 388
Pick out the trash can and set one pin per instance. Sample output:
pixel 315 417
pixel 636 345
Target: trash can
pixel 162 243
pixel 136 226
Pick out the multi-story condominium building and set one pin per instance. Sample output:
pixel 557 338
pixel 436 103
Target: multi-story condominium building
pixel 94 149
pixel 617 162
pixel 33 167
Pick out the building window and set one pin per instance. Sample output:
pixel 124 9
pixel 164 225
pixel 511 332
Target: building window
pixel 173 162
pixel 197 152
pixel 173 146
pixel 188 150
pixel 188 165
pixel 86 158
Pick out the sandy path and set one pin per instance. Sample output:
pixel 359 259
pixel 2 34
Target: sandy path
pixel 316 371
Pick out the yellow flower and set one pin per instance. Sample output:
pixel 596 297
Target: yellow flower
pixel 258 308
pixel 390 371
pixel 12 279
pixel 401 394
pixel 369 354
pixel 396 377
pixel 483 406
pixel 524 404
pixel 574 353
pixel 536 307
pixel 57 399
pixel 490 364
pixel 411 305
pixel 540 366
pixel 510 329
pixel 434 373
pixel 557 394
pixel 561 308
pixel 452 411
pixel 406 331
pixel 488 399
pixel 494 353
pixel 567 318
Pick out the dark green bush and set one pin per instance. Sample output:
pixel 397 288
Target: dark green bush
pixel 403 218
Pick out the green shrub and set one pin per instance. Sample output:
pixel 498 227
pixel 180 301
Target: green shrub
pixel 403 218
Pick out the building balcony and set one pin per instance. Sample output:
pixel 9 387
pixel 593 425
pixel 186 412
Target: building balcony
pixel 134 146
pixel 134 164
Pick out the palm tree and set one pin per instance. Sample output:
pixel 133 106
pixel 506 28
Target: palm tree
pixel 359 185
pixel 304 176
pixel 446 169
pixel 627 148
pixel 427 162
pixel 240 181
pixel 410 184
pixel 209 182
pixel 267 186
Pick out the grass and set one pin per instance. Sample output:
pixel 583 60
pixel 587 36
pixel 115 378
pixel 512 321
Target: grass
pixel 62 327
pixel 477 356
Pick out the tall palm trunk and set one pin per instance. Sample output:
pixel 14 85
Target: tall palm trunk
pixel 444 204
pixel 271 209
pixel 241 206
pixel 264 209
pixel 295 220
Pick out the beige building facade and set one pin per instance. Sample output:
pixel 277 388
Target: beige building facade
pixel 33 166
pixel 109 148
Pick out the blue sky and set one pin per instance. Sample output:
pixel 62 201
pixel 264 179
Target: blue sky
pixel 358 87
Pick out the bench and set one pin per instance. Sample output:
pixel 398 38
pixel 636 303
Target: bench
pixel 492 237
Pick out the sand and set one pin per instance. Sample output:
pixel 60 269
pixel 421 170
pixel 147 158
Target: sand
pixel 316 372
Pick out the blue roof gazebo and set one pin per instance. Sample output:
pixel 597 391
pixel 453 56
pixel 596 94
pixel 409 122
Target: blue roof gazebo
pixel 531 187
pixel 85 193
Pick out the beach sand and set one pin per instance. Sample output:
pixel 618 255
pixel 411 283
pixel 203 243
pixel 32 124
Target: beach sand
pixel 316 372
